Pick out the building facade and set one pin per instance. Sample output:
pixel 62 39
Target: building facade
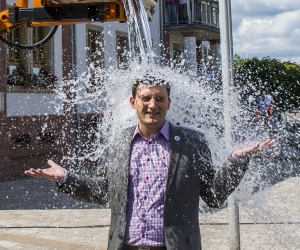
pixel 32 129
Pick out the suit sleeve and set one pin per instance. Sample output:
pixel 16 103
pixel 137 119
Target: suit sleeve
pixel 90 189
pixel 217 185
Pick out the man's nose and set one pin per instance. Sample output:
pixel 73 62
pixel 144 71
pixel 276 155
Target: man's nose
pixel 152 103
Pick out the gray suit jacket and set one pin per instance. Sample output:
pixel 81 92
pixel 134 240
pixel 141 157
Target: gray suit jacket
pixel 190 175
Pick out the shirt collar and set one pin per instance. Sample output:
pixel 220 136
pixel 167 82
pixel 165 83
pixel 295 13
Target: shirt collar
pixel 165 131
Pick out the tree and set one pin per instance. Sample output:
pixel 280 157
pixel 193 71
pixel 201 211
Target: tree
pixel 253 76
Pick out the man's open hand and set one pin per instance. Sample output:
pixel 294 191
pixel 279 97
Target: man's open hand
pixel 54 173
pixel 252 149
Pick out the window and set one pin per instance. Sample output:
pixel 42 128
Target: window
pixel 204 13
pixel 95 55
pixel 20 141
pixel 39 55
pixel 46 137
pixel 215 17
pixel 95 46
pixel 122 50
pixel 197 11
pixel 14 55
pixel 31 61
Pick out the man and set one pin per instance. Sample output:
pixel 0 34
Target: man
pixel 268 98
pixel 154 176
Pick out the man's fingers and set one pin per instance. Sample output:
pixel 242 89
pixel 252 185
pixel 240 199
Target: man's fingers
pixel 272 144
pixel 33 172
pixel 250 150
pixel 256 146
pixel 264 143
pixel 268 144
pixel 54 172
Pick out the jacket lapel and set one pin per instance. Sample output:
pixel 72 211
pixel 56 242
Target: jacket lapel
pixel 119 169
pixel 126 156
pixel 176 138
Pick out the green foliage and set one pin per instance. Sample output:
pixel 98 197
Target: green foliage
pixel 281 79
pixel 238 61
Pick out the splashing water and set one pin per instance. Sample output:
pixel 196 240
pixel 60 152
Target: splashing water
pixel 140 43
pixel 197 102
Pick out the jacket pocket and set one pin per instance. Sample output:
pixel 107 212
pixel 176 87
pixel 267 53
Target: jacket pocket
pixel 194 237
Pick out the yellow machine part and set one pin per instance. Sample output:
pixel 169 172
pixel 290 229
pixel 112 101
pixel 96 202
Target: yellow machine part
pixel 6 26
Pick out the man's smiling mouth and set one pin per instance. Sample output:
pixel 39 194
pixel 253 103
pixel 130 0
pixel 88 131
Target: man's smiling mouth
pixel 153 113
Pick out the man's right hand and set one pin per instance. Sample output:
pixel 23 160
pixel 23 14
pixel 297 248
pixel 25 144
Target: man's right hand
pixel 54 173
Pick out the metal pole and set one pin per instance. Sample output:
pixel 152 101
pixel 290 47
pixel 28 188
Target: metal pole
pixel 234 223
pixel 229 104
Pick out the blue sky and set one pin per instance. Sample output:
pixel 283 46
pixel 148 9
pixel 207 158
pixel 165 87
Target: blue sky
pixel 266 28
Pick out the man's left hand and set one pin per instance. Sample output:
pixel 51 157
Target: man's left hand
pixel 251 149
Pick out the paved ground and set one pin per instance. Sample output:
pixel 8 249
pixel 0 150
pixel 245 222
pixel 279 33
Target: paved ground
pixel 32 193
pixel 270 219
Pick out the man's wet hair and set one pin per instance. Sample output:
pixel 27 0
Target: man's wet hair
pixel 149 80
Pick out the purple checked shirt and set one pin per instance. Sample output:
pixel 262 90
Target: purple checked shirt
pixel 147 183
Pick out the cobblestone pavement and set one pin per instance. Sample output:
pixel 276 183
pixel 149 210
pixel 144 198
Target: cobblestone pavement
pixel 269 219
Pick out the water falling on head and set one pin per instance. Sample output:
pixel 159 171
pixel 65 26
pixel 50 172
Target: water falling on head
pixel 151 100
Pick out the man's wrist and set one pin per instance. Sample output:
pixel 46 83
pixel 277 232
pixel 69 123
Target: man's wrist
pixel 64 179
pixel 242 160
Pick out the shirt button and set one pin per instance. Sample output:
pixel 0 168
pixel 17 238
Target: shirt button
pixel 150 142
pixel 143 235
pixel 148 159
pixel 143 215
pixel 147 178
pixel 145 197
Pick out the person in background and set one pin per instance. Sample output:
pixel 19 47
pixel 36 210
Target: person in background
pixel 172 13
pixel 269 98
pixel 183 11
pixel 263 107
pixel 269 102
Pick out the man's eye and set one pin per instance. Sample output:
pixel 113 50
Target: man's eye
pixel 145 99
pixel 159 99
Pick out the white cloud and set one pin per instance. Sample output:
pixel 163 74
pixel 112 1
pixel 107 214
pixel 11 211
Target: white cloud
pixel 296 33
pixel 263 7
pixel 279 25
pixel 262 33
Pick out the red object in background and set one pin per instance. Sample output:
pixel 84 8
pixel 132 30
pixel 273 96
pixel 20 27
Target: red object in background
pixel 270 111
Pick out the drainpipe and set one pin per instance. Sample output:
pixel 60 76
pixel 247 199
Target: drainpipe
pixel 74 75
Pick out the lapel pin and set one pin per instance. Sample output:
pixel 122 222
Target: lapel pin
pixel 177 138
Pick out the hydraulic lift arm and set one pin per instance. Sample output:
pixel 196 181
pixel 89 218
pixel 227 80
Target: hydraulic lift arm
pixel 61 12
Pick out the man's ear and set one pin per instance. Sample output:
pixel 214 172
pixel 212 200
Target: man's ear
pixel 132 102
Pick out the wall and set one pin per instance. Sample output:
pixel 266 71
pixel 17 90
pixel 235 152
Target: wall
pixel 32 116
pixel 33 104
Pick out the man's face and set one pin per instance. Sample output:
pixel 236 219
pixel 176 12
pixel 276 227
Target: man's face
pixel 151 104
